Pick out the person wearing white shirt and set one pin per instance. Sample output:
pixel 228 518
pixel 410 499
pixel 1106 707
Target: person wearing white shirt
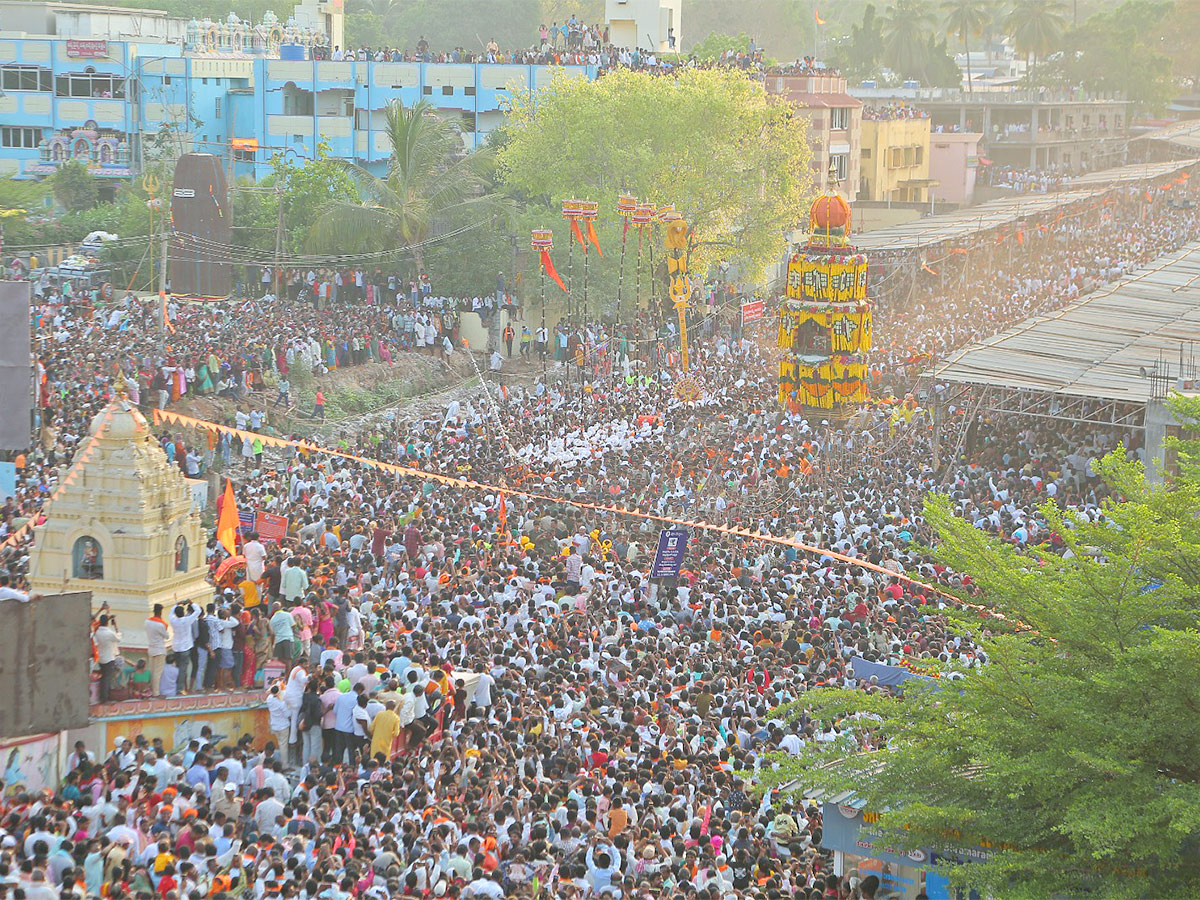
pixel 256 556
pixel 279 720
pixel 107 639
pixel 183 622
pixel 8 592
pixel 158 634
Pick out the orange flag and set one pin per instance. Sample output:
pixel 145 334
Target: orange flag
pixel 578 234
pixel 162 295
pixel 817 16
pixel 548 265
pixel 592 237
pixel 227 522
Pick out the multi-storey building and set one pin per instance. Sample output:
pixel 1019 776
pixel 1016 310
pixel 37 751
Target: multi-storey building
pixel 297 104
pixel 834 126
pixel 894 162
pixel 113 102
pixel 1065 131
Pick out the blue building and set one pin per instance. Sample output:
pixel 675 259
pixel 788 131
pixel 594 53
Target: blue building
pixel 116 103
pixel 296 104
pixel 107 103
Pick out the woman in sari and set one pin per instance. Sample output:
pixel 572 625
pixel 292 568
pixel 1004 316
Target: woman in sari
pixel 204 383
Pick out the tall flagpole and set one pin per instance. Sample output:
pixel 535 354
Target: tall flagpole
pixel 642 216
pixel 626 204
pixel 543 240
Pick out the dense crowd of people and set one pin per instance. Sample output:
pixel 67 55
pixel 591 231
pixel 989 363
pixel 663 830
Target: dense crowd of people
pixel 474 693
pixel 892 111
pixel 1024 180
pixel 576 43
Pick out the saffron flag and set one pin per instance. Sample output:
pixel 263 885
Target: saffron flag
pixel 592 237
pixel 227 521
pixel 162 295
pixel 548 265
pixel 503 514
pixel 578 234
pixel 817 16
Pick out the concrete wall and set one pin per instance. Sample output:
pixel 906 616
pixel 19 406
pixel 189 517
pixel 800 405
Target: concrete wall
pixel 953 161
pixel 894 151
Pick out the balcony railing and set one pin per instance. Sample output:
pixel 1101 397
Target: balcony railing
pixel 1051 135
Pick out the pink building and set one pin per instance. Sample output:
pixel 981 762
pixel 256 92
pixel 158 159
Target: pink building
pixel 953 161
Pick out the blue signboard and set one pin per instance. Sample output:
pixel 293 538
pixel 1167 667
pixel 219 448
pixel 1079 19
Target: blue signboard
pixel 668 558
pixel 845 829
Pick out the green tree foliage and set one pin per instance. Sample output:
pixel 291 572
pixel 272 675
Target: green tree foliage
pixel 1037 27
pixel 966 19
pixel 1120 50
pixel 308 187
pixel 907 27
pixel 1072 752
pixel 132 259
pixel 903 40
pixel 428 182
pixel 19 196
pixel 74 186
pixel 734 161
pixel 305 187
pixel 717 43
pixel 859 54
pixel 1181 40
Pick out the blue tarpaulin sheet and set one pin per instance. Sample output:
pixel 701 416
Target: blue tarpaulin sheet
pixel 887 675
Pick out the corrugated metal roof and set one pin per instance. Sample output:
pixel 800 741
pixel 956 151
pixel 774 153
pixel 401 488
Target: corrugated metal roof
pixel 1094 348
pixel 961 224
pixel 1182 134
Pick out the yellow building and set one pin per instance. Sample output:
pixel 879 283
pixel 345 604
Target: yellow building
pixel 895 160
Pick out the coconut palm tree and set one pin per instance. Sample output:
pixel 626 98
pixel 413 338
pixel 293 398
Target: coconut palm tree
pixel 1036 27
pixel 428 180
pixel 964 19
pixel 906 28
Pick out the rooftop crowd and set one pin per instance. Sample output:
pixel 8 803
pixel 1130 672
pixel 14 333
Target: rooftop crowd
pixel 576 43
pixel 491 698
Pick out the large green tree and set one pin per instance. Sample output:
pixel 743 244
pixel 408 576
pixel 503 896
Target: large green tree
pixel 733 160
pixel 1181 40
pixel 966 19
pixel 1037 27
pixel 1120 49
pixel 907 27
pixel 858 54
pixel 75 187
pixel 429 181
pixel 1071 753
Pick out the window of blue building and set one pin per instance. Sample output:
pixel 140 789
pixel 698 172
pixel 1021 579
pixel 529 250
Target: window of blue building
pixel 24 138
pixel 90 83
pixel 25 78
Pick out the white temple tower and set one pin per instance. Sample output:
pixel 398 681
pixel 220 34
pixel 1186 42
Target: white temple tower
pixel 121 525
